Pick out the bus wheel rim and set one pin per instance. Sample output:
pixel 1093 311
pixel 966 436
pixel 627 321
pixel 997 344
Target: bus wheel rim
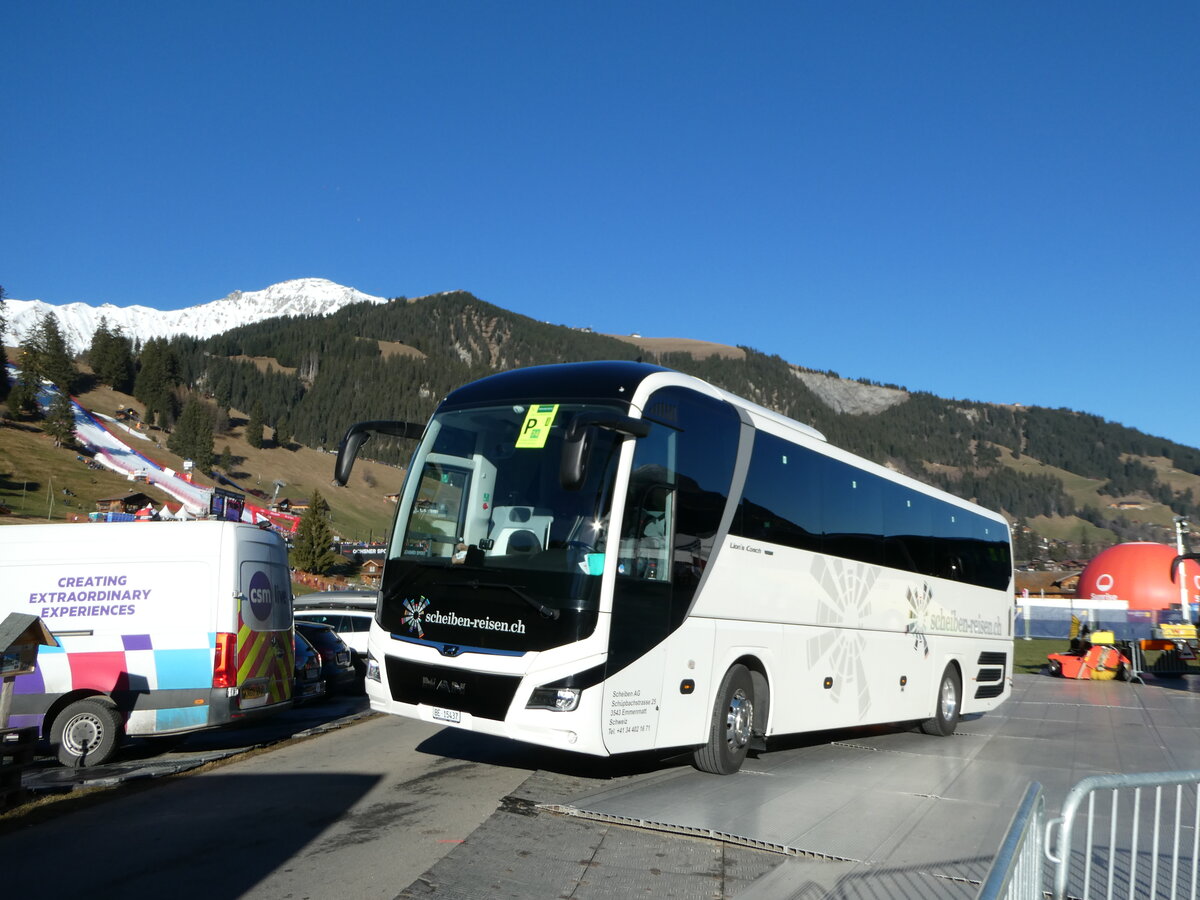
pixel 739 720
pixel 949 699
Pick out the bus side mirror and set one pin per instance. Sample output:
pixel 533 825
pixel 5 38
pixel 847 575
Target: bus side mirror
pixel 1179 559
pixel 358 433
pixel 573 466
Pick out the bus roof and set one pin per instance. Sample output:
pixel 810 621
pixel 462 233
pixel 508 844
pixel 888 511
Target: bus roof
pixel 611 381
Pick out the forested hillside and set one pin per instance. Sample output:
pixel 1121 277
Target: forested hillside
pixel 1061 471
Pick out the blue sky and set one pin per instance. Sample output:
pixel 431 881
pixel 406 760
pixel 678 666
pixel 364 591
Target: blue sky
pixel 988 201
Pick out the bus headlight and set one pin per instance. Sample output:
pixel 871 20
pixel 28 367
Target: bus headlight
pixel 373 670
pixel 557 699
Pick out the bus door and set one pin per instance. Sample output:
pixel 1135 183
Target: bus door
pixel 678 490
pixel 641 599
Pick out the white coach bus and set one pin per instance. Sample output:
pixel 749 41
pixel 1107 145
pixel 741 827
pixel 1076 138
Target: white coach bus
pixel 612 557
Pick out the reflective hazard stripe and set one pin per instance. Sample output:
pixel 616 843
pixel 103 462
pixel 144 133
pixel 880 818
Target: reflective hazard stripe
pixel 257 659
pixel 252 648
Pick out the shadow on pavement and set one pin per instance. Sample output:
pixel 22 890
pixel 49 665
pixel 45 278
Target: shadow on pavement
pixel 470 746
pixel 212 837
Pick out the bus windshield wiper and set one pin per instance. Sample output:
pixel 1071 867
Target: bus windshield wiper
pixel 547 611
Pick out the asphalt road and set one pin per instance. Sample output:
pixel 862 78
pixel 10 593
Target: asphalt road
pixel 334 801
pixel 360 811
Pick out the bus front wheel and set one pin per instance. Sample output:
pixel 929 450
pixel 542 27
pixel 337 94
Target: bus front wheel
pixel 731 727
pixel 949 703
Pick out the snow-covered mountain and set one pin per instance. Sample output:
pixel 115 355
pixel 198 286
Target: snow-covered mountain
pixel 78 321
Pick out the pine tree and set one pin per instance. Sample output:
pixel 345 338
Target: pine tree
pixel 98 348
pixel 156 379
pixel 60 420
pixel 254 428
pixel 111 358
pixel 57 367
pixel 23 400
pixel 312 551
pixel 193 435
pixel 283 434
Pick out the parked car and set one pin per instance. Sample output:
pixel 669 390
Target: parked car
pixel 337 670
pixel 308 684
pixel 348 612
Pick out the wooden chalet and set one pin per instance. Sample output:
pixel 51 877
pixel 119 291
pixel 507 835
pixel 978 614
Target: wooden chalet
pixel 126 503
pixel 372 571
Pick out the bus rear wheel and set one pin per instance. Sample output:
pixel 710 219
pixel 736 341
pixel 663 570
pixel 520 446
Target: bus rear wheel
pixel 86 733
pixel 731 727
pixel 949 704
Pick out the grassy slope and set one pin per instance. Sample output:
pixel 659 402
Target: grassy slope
pixel 1168 474
pixel 29 460
pixel 33 476
pixel 1086 491
pixel 697 349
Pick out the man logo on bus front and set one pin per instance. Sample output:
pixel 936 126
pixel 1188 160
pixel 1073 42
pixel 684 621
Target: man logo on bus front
pixel 413 610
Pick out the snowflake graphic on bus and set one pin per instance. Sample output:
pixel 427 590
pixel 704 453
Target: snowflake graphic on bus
pixel 845 596
pixel 413 610
pixel 918 609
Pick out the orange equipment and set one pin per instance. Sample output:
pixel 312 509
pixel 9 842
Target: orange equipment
pixel 1092 655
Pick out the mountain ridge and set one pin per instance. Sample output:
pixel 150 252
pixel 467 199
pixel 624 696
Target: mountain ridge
pixel 316 375
pixel 78 321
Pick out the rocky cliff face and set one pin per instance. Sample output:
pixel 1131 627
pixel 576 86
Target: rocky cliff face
pixel 851 397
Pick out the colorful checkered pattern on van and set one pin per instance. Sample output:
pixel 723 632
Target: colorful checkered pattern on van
pixel 129 662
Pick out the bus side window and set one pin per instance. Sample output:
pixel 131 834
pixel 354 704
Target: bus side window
pixel 654 512
pixel 646 543
pixel 436 519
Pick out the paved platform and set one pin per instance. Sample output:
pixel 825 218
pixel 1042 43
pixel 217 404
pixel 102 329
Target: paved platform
pixel 902 809
pixel 880 813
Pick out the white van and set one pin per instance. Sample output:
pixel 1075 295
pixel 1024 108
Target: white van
pixel 163 628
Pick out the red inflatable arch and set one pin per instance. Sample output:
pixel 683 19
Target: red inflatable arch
pixel 1140 574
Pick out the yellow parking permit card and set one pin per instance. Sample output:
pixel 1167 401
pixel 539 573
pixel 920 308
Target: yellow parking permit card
pixel 537 426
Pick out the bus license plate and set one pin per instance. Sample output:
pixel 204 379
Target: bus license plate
pixel 446 715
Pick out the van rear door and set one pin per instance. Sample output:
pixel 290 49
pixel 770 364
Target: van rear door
pixel 265 652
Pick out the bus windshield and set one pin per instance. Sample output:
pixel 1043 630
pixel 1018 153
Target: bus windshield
pixel 484 506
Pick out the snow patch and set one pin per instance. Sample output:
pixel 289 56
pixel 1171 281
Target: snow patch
pixel 79 321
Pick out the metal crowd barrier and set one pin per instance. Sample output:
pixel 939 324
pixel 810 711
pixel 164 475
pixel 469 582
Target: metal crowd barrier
pixel 1016 873
pixel 1119 836
pixel 1168 661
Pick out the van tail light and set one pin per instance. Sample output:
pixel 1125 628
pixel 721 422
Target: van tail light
pixel 225 663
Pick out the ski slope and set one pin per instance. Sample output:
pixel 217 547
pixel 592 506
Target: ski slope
pixel 112 452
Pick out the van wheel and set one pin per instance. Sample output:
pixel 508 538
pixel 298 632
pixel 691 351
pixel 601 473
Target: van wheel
pixel 86 733
pixel 731 727
pixel 949 704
